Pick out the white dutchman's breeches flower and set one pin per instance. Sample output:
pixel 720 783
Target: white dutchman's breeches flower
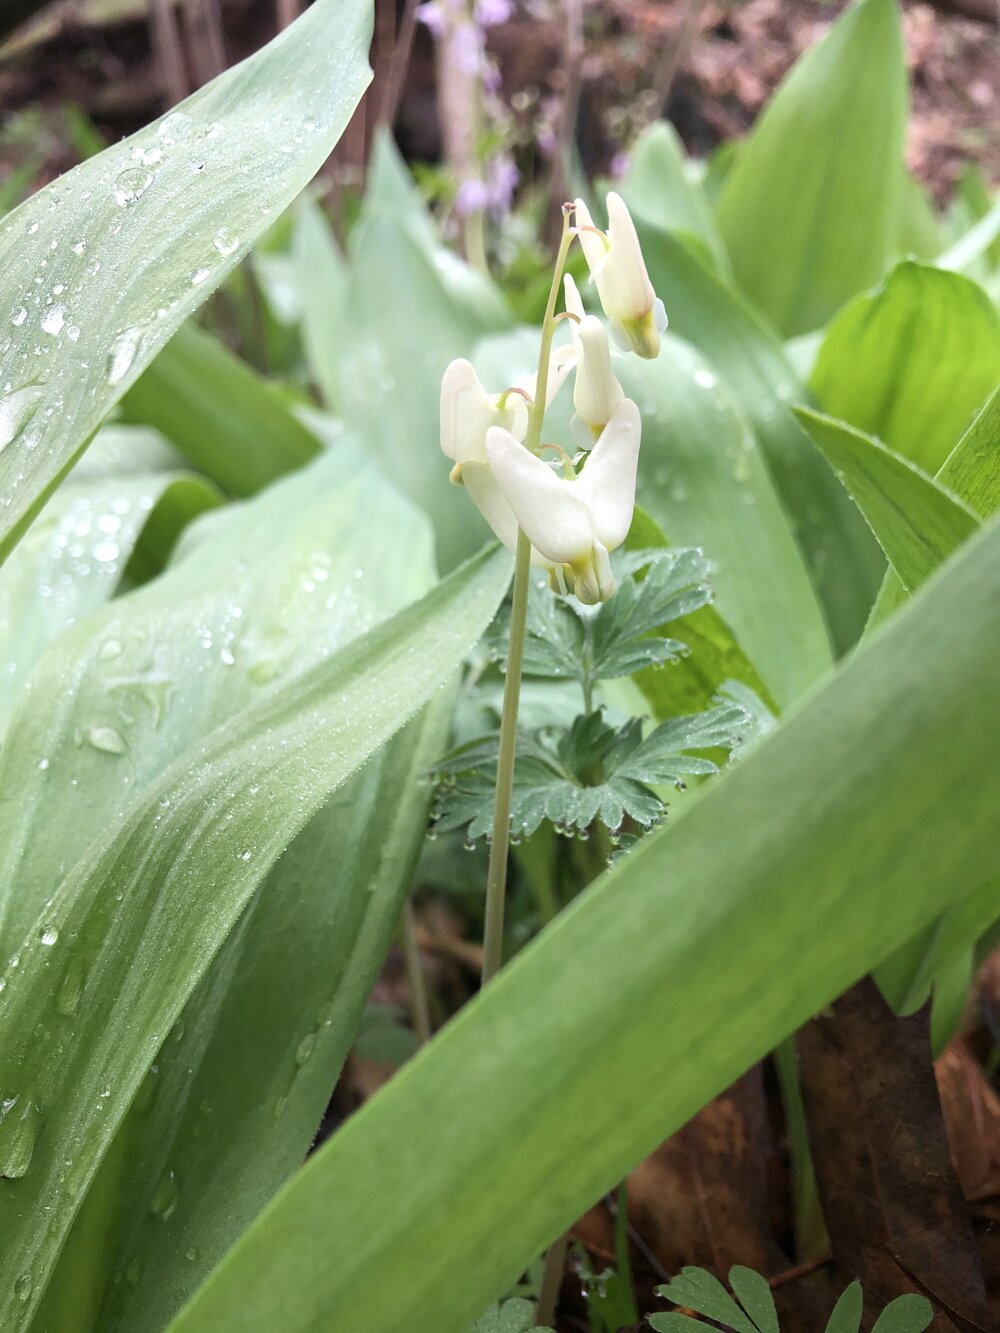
pixel 619 273
pixel 573 522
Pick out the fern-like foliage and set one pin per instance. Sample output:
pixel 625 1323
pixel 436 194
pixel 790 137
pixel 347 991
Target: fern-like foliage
pixel 695 1289
pixel 515 1315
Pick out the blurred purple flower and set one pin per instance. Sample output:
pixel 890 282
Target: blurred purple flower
pixel 467 49
pixel 431 16
pixel 619 166
pixel 473 197
pixel 491 12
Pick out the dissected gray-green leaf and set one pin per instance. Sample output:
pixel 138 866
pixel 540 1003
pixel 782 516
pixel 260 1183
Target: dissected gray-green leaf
pixel 697 1289
pixel 906 1314
pixel 101 267
pixel 515 1315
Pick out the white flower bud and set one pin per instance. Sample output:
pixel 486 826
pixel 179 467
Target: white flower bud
pixel 619 272
pixel 597 395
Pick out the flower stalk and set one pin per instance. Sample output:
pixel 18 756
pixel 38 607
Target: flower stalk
pixel 496 877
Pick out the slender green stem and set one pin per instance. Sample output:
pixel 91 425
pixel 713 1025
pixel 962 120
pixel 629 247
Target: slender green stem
pixel 496 877
pixel 552 1275
pixel 419 1005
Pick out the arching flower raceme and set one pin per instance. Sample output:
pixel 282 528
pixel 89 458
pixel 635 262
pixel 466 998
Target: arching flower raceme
pixel 573 522
pixel 597 395
pixel 619 273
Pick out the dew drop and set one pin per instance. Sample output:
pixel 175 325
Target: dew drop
pixel 42 764
pixel 110 649
pixel 175 128
pixel 53 320
pixel 199 276
pixel 16 410
pixel 164 1199
pixel 18 1132
pixel 131 184
pixel 18 315
pixel 70 988
pixel 245 856
pixel 105 739
pixel 49 936
pixel 73 333
pixel 305 1048
pixel 134 1271
pixel 78 247
pixel 226 241
pixel 191 1254
pixel 23 1286
pixel 122 354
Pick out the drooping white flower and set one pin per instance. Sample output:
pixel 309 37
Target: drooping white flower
pixel 468 412
pixel 619 273
pixel 573 522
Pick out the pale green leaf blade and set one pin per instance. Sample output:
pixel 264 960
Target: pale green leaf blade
pixel 142 915
pixel 392 364
pixel 220 414
pixel 658 188
pixel 75 556
pixel 917 522
pixel 809 209
pixel 256 594
pixel 144 231
pixel 322 281
pixel 703 480
pixel 242 1088
pixel 394 1223
pixel 843 560
pixel 913 362
pixel 308 566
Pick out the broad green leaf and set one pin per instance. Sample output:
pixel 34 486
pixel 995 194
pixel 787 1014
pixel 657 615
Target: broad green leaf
pixel 917 522
pixel 659 188
pixel 226 421
pixel 76 554
pixel 755 1296
pixel 913 362
pixel 99 269
pixel 972 469
pixel 971 473
pixel 703 480
pixel 906 1314
pixel 132 927
pixel 693 681
pixel 242 1087
pixel 809 209
pixel 336 550
pixel 256 594
pixel 714 939
pixel 919 233
pixel 979 240
pixel 843 560
pixel 322 280
pixel 408 320
pixel 846 1316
